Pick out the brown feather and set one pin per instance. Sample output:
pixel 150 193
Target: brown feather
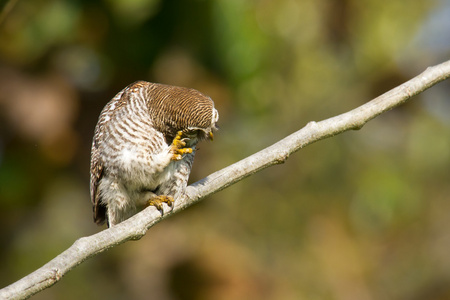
pixel 132 132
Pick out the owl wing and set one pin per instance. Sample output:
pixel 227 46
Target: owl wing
pixel 99 208
pixel 97 165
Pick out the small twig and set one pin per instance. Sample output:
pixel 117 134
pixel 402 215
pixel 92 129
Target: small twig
pixel 136 226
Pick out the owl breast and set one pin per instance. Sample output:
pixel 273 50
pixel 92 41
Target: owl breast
pixel 141 160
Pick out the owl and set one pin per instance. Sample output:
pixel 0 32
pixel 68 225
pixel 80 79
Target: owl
pixel 144 146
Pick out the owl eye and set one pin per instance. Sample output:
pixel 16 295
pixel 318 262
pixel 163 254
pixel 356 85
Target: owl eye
pixel 190 132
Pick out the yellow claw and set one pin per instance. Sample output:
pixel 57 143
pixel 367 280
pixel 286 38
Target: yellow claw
pixel 177 157
pixel 178 147
pixel 185 150
pixel 159 200
pixel 177 141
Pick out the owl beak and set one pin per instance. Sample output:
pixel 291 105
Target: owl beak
pixel 211 136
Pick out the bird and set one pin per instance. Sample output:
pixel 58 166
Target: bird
pixel 144 146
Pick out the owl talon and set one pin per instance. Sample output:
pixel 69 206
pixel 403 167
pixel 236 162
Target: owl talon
pixel 159 200
pixel 178 147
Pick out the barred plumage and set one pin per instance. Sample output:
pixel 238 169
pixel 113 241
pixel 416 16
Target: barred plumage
pixel 144 146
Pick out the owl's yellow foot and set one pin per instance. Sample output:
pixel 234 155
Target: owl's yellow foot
pixel 178 147
pixel 159 200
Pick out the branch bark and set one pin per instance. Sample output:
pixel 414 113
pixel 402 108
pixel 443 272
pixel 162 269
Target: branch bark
pixel 136 226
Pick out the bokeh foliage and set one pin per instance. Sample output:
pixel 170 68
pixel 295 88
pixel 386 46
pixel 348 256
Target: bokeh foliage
pixel 363 215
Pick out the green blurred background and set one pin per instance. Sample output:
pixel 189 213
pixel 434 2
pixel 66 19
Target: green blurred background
pixel 362 215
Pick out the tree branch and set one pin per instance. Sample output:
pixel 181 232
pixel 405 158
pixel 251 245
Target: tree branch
pixel 136 226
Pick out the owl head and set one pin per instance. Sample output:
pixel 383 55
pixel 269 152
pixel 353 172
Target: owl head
pixel 203 133
pixel 177 108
